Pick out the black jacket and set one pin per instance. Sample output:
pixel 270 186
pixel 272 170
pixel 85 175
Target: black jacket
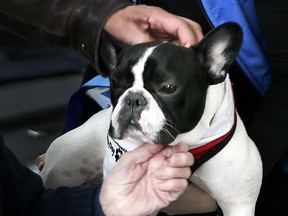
pixel 76 24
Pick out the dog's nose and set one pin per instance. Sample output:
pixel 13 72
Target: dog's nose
pixel 135 100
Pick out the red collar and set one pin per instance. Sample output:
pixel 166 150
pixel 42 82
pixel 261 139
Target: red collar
pixel 204 153
pixel 201 150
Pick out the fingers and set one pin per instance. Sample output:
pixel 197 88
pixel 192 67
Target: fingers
pixel 173 173
pixel 141 154
pixel 178 155
pixel 190 35
pixel 170 150
pixel 183 159
pixel 147 23
pixel 178 164
pixel 40 162
pixel 173 185
pixel 179 30
pixel 181 147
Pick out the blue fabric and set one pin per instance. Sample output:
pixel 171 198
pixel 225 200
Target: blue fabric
pixel 97 206
pixel 22 192
pixel 253 61
pixel 285 163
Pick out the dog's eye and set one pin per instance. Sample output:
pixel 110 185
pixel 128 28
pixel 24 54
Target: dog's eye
pixel 168 89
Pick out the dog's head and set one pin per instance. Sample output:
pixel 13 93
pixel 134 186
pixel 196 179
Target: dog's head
pixel 158 90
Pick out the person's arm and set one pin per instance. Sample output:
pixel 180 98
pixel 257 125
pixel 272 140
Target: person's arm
pixel 268 128
pixel 161 172
pixel 22 192
pixel 79 24
pixel 75 23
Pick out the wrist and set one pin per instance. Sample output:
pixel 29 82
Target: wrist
pixel 111 206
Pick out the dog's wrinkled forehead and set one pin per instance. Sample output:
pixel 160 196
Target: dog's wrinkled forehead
pixel 129 70
pixel 139 67
pixel 151 58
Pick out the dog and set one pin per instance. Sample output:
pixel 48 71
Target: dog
pixel 167 94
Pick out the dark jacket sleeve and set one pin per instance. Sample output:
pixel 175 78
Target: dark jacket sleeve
pixel 269 127
pixel 22 193
pixel 76 24
pixel 73 23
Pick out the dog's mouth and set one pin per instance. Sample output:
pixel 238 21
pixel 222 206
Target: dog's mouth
pixel 141 130
pixel 127 123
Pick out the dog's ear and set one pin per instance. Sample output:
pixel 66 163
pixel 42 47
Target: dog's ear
pixel 218 50
pixel 109 51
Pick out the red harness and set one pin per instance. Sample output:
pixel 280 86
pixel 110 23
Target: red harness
pixel 204 153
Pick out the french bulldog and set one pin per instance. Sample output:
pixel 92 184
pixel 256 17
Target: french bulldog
pixel 166 94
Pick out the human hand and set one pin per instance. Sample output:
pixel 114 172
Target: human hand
pixel 146 180
pixel 40 161
pixel 141 23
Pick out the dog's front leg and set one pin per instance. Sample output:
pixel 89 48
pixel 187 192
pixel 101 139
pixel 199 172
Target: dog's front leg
pixel 233 176
pixel 77 156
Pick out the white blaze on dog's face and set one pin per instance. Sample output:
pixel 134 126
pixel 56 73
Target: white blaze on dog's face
pixel 154 96
pixel 158 90
pixel 137 115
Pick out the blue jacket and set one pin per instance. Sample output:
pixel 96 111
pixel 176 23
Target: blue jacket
pixel 253 62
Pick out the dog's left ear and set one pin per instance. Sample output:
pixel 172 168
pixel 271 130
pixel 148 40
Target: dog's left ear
pixel 218 50
pixel 109 51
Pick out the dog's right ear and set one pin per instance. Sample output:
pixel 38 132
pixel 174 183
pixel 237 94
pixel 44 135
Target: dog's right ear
pixel 109 51
pixel 218 50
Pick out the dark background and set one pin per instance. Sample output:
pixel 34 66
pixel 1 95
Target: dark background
pixel 36 83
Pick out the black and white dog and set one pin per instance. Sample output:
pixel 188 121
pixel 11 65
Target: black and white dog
pixel 163 93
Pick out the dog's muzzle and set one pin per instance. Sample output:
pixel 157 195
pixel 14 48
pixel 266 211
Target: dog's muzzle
pixel 129 114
